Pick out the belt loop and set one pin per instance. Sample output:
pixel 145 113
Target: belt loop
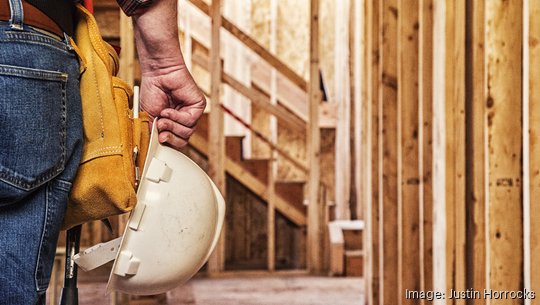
pixel 67 39
pixel 17 14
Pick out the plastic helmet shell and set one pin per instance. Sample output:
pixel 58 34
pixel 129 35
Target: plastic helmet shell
pixel 173 228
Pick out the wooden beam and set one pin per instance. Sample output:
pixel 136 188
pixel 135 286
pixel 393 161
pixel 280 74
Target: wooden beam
pixel 315 208
pixel 526 148
pixel 439 149
pixel 271 218
pixel 455 146
pixel 533 41
pixel 256 47
pixel 425 141
pixel 127 43
pixel 476 199
pixel 373 218
pixel 216 154
pixel 342 95
pixel 504 102
pixel 388 84
pixel 408 150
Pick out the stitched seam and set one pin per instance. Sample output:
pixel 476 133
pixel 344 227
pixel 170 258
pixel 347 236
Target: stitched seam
pixel 38 260
pixel 36 38
pixel 33 73
pixel 102 151
pixel 94 79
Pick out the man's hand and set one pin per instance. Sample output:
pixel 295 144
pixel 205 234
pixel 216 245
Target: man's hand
pixel 173 97
pixel 168 90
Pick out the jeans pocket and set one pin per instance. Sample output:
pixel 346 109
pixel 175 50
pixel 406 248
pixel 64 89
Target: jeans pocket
pixel 32 129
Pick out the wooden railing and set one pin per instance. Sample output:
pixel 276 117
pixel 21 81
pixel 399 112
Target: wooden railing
pixel 309 124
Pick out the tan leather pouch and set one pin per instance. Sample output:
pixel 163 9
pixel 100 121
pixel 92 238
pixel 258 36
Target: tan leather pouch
pixel 114 142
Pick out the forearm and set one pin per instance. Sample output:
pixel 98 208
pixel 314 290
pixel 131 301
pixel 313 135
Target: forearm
pixel 156 38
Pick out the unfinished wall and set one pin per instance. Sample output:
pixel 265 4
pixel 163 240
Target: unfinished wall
pixel 455 160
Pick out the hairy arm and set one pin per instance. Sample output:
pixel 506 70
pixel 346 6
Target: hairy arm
pixel 168 90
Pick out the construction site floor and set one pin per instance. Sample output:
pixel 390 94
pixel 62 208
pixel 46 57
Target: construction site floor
pixel 281 290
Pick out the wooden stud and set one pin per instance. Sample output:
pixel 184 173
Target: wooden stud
pixel 127 73
pixel 365 142
pixel 533 41
pixel 526 147
pixel 388 84
pixel 374 218
pixel 216 150
pixel 503 101
pixel 127 58
pixel 271 218
pixel 476 149
pixel 439 150
pixel 455 147
pixel 343 99
pixel 272 165
pixel 315 208
pixel 425 141
pixel 408 151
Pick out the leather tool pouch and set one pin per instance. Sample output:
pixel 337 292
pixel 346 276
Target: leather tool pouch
pixel 115 142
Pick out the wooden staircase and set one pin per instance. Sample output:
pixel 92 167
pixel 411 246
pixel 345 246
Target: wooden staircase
pixel 253 174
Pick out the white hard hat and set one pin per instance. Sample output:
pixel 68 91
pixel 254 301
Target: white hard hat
pixel 172 230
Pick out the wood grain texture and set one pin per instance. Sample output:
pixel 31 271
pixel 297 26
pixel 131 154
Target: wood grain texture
pixel 374 217
pixel 216 164
pixel 534 128
pixel 408 149
pixel 476 150
pixel 455 146
pixel 503 101
pixel 425 141
pixel 388 84
pixel 439 150
pixel 315 208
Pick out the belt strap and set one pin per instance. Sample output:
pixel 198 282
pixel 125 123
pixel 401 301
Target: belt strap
pixel 32 16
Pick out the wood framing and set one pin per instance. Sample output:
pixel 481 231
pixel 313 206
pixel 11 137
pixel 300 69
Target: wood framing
pixel 439 149
pixel 216 164
pixel 504 102
pixel 476 148
pixel 388 85
pixel 408 151
pixel 343 99
pixel 255 46
pixel 455 147
pixel 533 41
pixel 271 218
pixel 315 208
pixel 252 183
pixel 373 219
pixel 425 138
pixel 127 43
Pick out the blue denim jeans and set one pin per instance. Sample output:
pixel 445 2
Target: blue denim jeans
pixel 40 149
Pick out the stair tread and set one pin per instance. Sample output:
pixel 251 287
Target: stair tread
pixel 354 253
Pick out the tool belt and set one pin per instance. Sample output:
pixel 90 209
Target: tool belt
pixel 32 16
pixel 115 140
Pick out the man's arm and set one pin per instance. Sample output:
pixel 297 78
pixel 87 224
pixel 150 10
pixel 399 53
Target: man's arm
pixel 168 90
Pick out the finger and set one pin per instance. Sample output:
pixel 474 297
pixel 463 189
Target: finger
pixel 179 130
pixel 171 139
pixel 187 116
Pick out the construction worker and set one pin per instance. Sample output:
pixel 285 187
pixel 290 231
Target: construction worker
pixel 41 127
